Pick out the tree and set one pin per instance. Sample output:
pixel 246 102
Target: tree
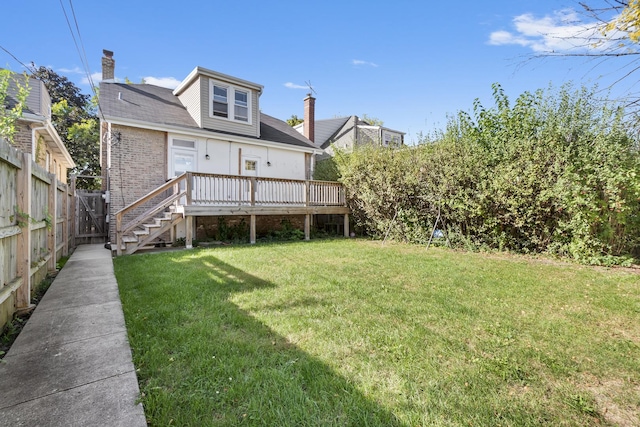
pixel 373 121
pixel 294 120
pixel 74 117
pixel 11 104
pixel 610 31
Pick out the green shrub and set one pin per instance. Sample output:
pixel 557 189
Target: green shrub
pixel 554 172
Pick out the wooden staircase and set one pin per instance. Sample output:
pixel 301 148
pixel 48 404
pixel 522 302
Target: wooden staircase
pixel 157 217
pixel 146 234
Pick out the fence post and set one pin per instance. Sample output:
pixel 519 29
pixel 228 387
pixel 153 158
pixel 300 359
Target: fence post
pixel 52 227
pixel 23 215
pixel 72 210
pixel 65 221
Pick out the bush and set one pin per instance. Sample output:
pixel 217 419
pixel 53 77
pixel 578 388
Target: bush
pixel 555 172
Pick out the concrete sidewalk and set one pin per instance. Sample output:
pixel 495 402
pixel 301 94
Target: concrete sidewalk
pixel 71 364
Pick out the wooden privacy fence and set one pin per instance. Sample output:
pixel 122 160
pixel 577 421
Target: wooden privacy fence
pixel 36 219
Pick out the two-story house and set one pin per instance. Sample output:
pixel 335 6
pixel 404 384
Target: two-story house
pixel 35 133
pixel 238 161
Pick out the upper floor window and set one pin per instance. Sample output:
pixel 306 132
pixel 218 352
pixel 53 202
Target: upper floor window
pixel 242 106
pixel 225 96
pixel 220 101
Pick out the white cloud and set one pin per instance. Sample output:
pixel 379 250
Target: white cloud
pixel 168 82
pixel 76 70
pixel 560 32
pixel 295 86
pixel 96 77
pixel 361 62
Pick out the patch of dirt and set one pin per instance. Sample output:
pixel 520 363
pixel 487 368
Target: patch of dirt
pixel 616 400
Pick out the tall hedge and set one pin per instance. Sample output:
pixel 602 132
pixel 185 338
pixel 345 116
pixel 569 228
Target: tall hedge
pixel 555 171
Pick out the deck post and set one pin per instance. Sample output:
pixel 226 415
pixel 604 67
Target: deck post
pixel 346 225
pixel 118 233
pixel 252 230
pixel 189 238
pixel 307 227
pixel 252 188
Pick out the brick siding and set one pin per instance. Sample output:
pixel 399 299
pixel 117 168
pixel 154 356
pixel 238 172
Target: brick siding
pixel 138 166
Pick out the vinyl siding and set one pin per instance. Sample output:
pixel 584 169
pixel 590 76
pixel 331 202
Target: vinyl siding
pixel 228 125
pixel 190 98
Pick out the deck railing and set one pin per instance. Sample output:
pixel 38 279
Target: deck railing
pixel 224 190
pixel 202 189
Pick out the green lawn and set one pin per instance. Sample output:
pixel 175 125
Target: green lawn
pixel 350 332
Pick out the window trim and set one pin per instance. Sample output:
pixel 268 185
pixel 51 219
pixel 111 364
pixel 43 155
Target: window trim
pixel 231 102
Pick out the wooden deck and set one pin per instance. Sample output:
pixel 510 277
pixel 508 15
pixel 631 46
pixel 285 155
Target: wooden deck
pixel 198 194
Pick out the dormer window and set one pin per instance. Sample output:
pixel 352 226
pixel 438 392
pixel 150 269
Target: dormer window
pixel 223 96
pixel 242 106
pixel 220 104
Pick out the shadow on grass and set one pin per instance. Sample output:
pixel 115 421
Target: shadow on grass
pixel 203 361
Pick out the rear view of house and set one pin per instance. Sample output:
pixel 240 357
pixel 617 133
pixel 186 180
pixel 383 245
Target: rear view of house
pixel 221 155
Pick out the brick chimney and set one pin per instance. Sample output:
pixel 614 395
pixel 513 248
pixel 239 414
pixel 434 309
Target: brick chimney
pixel 108 66
pixel 310 117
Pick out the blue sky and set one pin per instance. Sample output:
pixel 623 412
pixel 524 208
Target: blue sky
pixel 408 63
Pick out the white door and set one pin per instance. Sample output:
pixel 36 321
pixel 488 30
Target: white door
pixel 182 161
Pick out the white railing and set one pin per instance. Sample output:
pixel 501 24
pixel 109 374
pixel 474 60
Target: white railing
pixel 223 190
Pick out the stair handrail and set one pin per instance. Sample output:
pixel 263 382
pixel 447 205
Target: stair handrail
pixel 174 182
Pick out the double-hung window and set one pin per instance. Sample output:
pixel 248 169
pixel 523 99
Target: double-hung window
pixel 220 101
pixel 231 103
pixel 242 106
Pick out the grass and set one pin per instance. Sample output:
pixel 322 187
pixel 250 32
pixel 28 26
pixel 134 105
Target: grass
pixel 350 332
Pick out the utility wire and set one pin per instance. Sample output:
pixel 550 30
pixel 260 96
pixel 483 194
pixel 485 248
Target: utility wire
pixel 14 57
pixel 80 49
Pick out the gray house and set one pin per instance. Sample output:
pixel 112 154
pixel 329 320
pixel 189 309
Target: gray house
pixel 344 132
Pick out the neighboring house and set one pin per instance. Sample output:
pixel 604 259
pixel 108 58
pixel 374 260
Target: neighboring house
pixel 345 132
pixel 35 132
pixel 210 126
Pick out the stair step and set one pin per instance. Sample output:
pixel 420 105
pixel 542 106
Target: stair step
pixel 156 225
pixel 141 232
pixel 129 239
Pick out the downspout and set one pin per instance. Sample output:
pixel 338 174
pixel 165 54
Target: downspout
pixel 107 141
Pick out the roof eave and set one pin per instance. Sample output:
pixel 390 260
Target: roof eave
pixel 207 134
pixel 198 71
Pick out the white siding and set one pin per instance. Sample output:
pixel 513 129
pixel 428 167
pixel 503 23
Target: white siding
pixel 190 98
pixel 225 157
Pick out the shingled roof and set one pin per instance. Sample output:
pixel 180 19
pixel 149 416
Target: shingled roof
pixel 157 105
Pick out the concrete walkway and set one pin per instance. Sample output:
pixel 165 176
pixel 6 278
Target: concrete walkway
pixel 71 364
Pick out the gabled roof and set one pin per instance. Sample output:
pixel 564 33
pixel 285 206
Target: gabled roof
pixel 154 105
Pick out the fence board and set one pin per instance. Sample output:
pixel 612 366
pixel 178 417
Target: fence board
pixel 34 231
